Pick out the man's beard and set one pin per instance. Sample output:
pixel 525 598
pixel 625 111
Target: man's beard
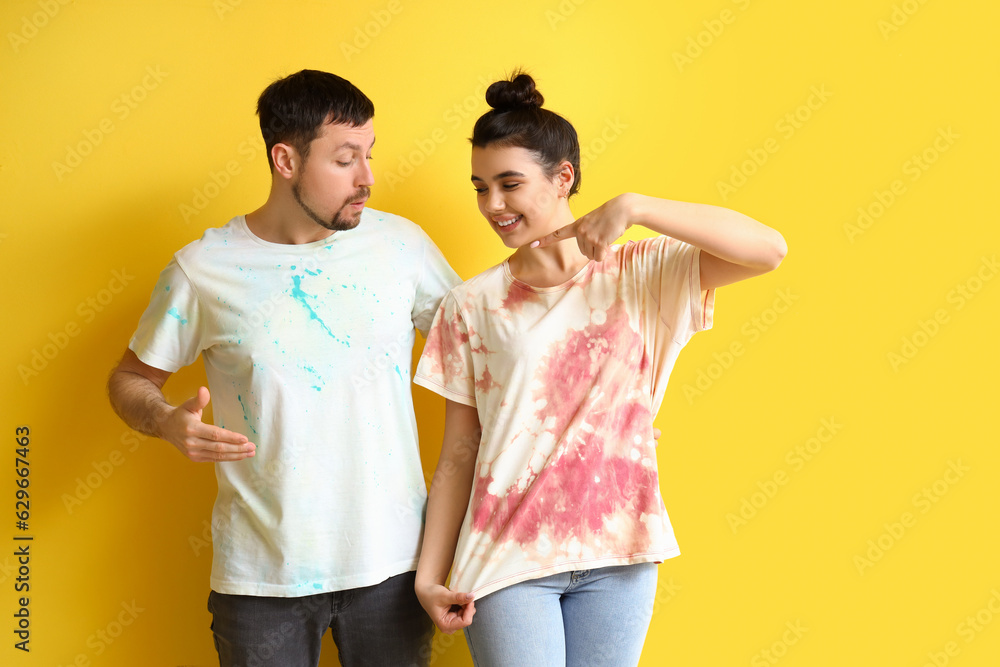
pixel 342 220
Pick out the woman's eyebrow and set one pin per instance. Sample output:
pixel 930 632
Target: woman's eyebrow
pixel 505 174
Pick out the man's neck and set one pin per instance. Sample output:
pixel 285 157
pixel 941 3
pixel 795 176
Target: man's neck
pixel 281 220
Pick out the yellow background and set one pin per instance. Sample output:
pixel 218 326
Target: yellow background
pixel 160 96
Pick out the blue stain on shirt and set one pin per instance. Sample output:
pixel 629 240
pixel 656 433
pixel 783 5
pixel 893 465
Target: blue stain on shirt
pixel 167 288
pixel 246 415
pixel 301 297
pixel 318 377
pixel 173 312
pixel 314 273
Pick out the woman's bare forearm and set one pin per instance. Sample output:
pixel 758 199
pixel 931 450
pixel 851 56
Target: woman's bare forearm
pixel 449 494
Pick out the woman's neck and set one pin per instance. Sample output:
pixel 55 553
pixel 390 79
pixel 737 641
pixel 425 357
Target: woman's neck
pixel 552 265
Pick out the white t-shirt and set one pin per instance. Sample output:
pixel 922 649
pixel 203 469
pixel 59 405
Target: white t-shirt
pixel 566 381
pixel 307 349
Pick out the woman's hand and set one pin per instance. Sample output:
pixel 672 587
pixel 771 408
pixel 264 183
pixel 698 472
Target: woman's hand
pixel 596 231
pixel 450 611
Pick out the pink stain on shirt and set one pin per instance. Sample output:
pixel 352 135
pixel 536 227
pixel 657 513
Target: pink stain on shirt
pixel 516 297
pixel 592 474
pixel 605 357
pixel 487 383
pixel 447 342
pixel 571 497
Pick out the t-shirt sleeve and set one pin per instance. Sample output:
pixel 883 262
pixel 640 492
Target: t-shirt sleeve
pixel 169 333
pixel 436 278
pixel 446 366
pixel 671 270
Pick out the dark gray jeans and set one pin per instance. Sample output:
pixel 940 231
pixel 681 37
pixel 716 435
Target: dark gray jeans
pixel 380 625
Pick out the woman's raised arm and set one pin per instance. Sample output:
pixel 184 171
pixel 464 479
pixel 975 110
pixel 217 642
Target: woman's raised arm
pixel 734 246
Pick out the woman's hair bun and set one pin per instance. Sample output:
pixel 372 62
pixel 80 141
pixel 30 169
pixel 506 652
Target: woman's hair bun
pixel 517 93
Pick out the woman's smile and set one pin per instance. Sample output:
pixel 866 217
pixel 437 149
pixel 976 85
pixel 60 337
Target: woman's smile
pixel 508 223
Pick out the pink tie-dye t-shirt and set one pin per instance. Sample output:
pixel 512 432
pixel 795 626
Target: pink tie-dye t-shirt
pixel 566 381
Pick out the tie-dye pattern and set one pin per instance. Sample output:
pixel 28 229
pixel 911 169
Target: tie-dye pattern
pixel 566 381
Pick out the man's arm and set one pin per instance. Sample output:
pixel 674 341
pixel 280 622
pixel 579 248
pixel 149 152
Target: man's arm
pixel 135 390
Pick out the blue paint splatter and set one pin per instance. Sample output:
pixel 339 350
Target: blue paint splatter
pixel 246 415
pixel 173 312
pixel 301 297
pixel 167 288
pixel 314 273
pixel 318 377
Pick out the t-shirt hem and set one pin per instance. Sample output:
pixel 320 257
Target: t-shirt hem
pixel 441 390
pixel 571 566
pixel 260 589
pixel 702 301
pixel 154 360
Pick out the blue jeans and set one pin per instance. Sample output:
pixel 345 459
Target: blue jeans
pixel 374 626
pixel 587 618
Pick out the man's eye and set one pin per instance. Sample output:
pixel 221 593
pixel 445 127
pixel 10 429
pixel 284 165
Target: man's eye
pixel 344 164
pixel 480 191
pixel 510 186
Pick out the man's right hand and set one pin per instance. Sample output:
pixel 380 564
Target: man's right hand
pixel 183 428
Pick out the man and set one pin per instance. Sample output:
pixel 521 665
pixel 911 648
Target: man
pixel 304 312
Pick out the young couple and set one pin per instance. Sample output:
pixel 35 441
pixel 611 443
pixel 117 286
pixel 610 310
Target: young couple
pixel 545 507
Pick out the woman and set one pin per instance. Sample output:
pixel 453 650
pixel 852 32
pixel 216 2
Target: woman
pixel 545 504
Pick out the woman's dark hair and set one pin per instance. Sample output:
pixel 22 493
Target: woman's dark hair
pixel 518 119
pixel 292 110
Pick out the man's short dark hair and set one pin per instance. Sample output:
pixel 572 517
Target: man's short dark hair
pixel 293 109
